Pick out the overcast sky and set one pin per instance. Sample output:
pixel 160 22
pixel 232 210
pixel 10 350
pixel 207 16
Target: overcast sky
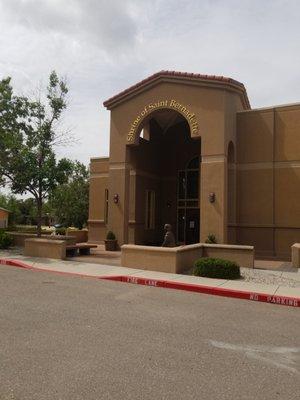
pixel 104 46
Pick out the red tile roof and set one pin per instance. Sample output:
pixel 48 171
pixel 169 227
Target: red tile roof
pixel 220 79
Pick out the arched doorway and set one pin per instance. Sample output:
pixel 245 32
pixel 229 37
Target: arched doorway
pixel 164 156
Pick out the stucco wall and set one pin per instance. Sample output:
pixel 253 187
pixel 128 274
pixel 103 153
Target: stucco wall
pixel 268 179
pixel 98 184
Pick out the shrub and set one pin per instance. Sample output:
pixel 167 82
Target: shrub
pixel 211 239
pixel 23 228
pixel 217 268
pixel 110 236
pixel 28 229
pixel 60 231
pixel 5 240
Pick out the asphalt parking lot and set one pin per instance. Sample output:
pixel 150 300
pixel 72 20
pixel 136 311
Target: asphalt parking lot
pixel 75 338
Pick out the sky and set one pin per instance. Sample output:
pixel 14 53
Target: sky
pixel 102 47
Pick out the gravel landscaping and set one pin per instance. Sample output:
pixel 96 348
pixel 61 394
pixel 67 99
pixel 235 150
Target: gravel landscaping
pixel 289 279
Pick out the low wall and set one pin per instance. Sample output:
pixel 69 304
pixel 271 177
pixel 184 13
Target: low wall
pixel 150 258
pixel 163 259
pixel 187 255
pixel 45 248
pixel 295 249
pixel 181 258
pixel 81 236
pixel 19 238
pixel 242 255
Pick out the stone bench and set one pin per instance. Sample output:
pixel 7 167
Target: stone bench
pixel 47 248
pixel 84 249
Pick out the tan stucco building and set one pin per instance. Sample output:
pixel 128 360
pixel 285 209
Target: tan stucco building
pixel 187 149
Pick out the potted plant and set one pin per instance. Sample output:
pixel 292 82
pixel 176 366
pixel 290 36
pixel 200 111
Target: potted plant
pixel 211 239
pixel 110 242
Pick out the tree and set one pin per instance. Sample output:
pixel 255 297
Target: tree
pixel 28 133
pixel 28 211
pixel 70 201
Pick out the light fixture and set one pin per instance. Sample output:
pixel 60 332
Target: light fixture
pixel 116 198
pixel 212 197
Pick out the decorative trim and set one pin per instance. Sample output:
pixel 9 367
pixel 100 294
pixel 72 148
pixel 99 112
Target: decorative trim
pixel 270 226
pixel 119 166
pixel 213 158
pixel 96 221
pixel 134 222
pixel 99 175
pixel 268 165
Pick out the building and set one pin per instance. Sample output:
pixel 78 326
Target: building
pixel 187 149
pixel 3 218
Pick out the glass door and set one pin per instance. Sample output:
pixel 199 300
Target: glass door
pixel 188 212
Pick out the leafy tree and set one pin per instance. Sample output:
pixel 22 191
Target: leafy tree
pixel 3 201
pixel 28 211
pixel 70 201
pixel 22 211
pixel 28 133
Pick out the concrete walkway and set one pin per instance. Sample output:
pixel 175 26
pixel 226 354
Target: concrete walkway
pixel 153 278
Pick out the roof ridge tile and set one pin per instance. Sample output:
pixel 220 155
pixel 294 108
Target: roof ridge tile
pixel 161 73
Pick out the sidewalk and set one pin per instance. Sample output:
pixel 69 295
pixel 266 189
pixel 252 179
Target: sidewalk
pixel 276 294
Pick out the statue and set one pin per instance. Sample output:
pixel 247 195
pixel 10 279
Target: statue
pixel 169 239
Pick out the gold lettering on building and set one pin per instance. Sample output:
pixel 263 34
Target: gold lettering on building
pixel 191 118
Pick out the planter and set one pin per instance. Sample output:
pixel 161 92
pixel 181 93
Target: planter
pixel 110 245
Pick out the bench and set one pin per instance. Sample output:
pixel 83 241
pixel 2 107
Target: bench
pixel 84 249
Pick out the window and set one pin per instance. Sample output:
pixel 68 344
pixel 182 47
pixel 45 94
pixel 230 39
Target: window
pixel 106 207
pixel 150 209
pixel 192 185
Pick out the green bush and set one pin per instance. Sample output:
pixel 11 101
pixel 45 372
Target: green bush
pixel 28 229
pixel 110 236
pixel 23 228
pixel 217 268
pixel 60 231
pixel 5 240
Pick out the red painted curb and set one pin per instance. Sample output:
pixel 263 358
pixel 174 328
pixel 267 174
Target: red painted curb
pixel 217 291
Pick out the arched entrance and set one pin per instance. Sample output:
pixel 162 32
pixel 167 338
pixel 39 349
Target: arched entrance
pixel 164 180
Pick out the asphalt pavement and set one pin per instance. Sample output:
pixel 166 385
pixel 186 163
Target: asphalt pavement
pixel 67 337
